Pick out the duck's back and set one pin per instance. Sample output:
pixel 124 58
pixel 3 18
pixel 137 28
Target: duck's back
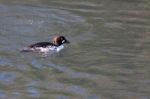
pixel 41 44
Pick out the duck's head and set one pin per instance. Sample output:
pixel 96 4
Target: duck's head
pixel 59 40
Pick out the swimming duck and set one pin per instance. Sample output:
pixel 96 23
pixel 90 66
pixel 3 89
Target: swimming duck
pixel 56 45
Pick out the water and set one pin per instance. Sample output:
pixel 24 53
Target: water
pixel 108 57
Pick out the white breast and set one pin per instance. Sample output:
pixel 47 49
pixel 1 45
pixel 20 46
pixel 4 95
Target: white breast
pixel 50 48
pixel 59 48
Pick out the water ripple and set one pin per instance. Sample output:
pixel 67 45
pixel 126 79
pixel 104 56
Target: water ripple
pixel 108 56
pixel 7 78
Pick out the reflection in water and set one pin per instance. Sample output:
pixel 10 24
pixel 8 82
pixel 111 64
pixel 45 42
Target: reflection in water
pixel 108 57
pixel 33 92
pixel 2 94
pixel 6 78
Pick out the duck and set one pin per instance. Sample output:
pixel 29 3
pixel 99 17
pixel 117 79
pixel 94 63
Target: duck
pixel 56 45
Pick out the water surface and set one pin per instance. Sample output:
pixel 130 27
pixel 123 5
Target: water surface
pixel 108 57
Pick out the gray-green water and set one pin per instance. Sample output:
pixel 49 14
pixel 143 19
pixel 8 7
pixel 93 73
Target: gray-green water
pixel 108 58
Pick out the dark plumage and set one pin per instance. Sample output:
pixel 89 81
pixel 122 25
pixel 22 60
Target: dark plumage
pixel 41 44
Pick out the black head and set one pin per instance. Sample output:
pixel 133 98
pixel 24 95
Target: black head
pixel 59 40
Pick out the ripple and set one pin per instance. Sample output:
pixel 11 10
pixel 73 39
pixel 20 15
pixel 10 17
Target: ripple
pixel 2 94
pixel 7 78
pixel 77 3
pixel 33 92
pixel 109 49
pixel 5 62
pixel 72 88
pixel 30 23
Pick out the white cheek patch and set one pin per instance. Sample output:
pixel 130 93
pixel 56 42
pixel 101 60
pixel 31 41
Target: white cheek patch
pixel 63 41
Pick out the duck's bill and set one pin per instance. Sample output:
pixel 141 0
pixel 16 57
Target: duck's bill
pixel 67 42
